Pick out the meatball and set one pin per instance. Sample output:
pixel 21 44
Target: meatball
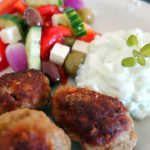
pixel 28 89
pixel 26 129
pixel 97 121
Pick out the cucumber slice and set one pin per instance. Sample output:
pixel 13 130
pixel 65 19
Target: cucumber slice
pixel 76 22
pixel 14 20
pixel 37 3
pixel 32 46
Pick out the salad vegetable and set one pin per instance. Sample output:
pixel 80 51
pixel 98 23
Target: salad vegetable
pixel 44 35
pixel 76 22
pixel 3 60
pixel 16 56
pixel 51 36
pixel 76 4
pixel 47 12
pixel 33 17
pixel 33 47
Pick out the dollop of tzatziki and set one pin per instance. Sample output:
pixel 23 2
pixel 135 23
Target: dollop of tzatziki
pixel 103 72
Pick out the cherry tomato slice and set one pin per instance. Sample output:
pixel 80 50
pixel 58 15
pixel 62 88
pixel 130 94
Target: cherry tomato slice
pixel 47 12
pixel 50 36
pixel 3 60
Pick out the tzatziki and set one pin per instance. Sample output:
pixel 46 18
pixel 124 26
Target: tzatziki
pixel 103 72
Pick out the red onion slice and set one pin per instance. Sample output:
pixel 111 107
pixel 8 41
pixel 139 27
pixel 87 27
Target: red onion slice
pixel 16 56
pixel 76 4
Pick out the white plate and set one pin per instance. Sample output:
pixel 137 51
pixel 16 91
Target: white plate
pixel 114 15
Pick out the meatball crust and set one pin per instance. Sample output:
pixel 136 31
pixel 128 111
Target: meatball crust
pixel 26 129
pixel 28 89
pixel 93 119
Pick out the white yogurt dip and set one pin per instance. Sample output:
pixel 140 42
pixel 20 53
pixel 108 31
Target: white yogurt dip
pixel 103 72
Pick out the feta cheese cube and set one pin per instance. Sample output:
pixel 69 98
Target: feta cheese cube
pixel 60 19
pixel 59 53
pixel 10 35
pixel 80 46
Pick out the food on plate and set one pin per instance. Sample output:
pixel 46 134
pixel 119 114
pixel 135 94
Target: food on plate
pixel 18 51
pixel 33 17
pixel 48 31
pixel 51 71
pixel 86 15
pixel 3 60
pixel 95 120
pixel 29 89
pixel 106 70
pixel 32 46
pixel 26 129
pixel 72 62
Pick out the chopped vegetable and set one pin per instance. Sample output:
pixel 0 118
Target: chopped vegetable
pixel 7 6
pixel 63 75
pixel 32 46
pixel 80 46
pixel 3 60
pixel 86 15
pixel 59 53
pixel 51 71
pixel 76 22
pixel 73 60
pixel 76 4
pixel 37 3
pixel 50 36
pixel 60 19
pixel 16 56
pixel 14 20
pixel 90 34
pixel 33 17
pixel 10 35
pixel 47 12
pixel 20 6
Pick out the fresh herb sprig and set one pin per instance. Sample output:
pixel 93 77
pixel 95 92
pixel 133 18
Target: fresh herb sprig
pixel 138 56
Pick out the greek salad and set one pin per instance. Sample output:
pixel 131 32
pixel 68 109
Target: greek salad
pixel 48 35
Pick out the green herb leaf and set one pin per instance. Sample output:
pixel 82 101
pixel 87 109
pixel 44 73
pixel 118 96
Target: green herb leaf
pixel 132 40
pixel 146 50
pixel 128 62
pixel 141 60
pixel 136 53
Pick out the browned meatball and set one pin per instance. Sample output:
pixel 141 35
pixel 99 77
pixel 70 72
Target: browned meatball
pixel 26 129
pixel 97 121
pixel 28 89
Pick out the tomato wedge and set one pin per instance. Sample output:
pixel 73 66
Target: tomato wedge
pixel 3 60
pixel 12 6
pixel 90 34
pixel 47 12
pixel 50 36
pixel 6 6
pixel 20 6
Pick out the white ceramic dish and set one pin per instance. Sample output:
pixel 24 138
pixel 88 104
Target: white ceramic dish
pixel 113 15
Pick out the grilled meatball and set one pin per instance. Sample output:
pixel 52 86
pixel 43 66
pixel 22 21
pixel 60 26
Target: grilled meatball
pixel 97 121
pixel 28 89
pixel 26 129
